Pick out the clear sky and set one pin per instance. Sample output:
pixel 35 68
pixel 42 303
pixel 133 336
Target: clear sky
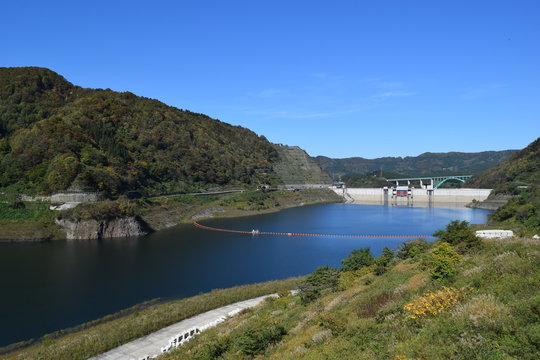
pixel 342 78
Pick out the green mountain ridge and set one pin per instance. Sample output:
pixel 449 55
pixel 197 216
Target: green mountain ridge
pixel 521 169
pixel 55 136
pixel 426 164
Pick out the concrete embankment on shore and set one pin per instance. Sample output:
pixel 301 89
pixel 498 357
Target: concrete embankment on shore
pixel 458 197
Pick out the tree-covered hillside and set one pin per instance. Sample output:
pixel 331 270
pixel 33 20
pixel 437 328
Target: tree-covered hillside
pixel 521 169
pixel 427 164
pixel 519 176
pixel 55 136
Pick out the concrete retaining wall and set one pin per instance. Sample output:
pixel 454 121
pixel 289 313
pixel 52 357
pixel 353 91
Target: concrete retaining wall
pixel 66 197
pixel 76 197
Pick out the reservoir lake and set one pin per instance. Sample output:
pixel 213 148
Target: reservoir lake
pixel 51 286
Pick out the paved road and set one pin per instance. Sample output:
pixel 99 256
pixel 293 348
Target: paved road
pixel 150 345
pixel 200 193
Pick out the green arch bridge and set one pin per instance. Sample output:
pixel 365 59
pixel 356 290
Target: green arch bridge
pixel 436 181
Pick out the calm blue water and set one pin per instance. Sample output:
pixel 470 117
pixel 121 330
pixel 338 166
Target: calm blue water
pixel 51 286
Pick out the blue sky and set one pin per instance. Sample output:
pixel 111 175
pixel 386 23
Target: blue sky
pixel 341 79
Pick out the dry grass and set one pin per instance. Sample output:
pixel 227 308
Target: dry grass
pixel 484 312
pixel 415 282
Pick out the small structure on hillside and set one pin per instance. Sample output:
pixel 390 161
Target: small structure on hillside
pixel 495 234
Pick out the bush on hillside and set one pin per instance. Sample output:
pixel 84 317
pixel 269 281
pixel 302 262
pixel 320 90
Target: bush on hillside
pixel 324 277
pixel 443 262
pixel 357 260
pixel 411 249
pixel 384 260
pixel 521 210
pixel 212 350
pixel 459 234
pixel 253 342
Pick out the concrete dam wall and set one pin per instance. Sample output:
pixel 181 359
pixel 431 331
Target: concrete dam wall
pixel 377 195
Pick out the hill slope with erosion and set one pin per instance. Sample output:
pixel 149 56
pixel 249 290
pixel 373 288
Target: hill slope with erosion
pixel 297 167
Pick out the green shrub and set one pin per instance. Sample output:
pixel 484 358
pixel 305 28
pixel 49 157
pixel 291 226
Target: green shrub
pixel 459 234
pixel 382 261
pixel 255 341
pixel 213 350
pixel 443 262
pixel 322 278
pixel 335 322
pixel 411 249
pixel 357 260
pixel 348 278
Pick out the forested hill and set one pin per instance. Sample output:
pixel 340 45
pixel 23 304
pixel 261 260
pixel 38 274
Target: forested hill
pixel 519 177
pixel 55 136
pixel 521 169
pixel 427 164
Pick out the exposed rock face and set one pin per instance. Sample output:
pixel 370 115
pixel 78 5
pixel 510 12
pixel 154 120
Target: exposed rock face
pixel 493 202
pixel 101 229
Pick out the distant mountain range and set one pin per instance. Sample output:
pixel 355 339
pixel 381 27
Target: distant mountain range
pixel 426 164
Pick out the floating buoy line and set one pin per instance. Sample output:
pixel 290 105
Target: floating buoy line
pixel 257 232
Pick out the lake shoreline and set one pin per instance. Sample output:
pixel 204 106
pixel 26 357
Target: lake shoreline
pixel 163 213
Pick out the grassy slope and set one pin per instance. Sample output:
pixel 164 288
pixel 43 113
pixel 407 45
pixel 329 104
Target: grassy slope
pixel 34 221
pixel 498 319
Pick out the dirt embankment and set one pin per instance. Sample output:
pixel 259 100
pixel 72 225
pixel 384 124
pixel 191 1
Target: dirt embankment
pixel 167 212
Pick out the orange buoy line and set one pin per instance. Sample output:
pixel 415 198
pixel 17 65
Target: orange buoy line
pixel 256 232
